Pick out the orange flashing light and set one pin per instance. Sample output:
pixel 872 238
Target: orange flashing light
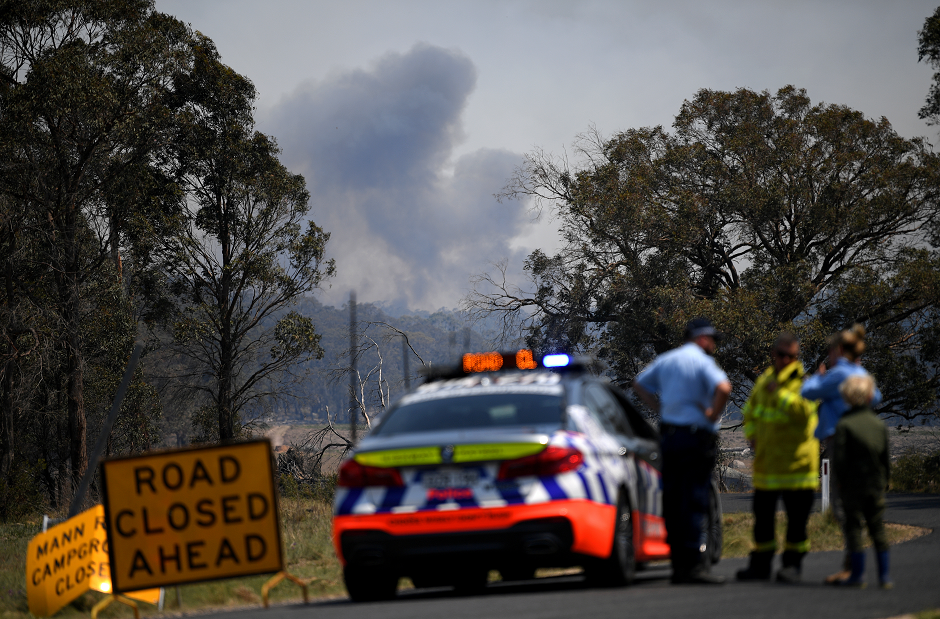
pixel 493 361
pixel 482 362
pixel 525 360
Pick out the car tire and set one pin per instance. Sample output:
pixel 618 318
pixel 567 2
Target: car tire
pixel 715 533
pixel 619 568
pixel 369 585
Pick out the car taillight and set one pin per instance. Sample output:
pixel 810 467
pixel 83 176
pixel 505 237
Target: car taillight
pixel 355 475
pixel 552 461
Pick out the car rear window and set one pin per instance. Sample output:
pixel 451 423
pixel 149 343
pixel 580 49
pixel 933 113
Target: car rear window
pixel 473 412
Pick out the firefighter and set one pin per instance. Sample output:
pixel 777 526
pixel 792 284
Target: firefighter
pixel 779 424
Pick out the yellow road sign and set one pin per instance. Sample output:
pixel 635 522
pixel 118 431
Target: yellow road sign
pixel 191 515
pixel 69 559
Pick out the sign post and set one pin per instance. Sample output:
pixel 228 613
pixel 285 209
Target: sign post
pixel 192 515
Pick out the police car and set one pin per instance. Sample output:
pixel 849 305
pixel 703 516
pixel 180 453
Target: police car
pixel 506 463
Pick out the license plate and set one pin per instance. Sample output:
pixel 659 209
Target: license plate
pixel 450 479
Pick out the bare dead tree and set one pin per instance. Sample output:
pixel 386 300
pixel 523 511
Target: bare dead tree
pixel 373 390
pixel 307 460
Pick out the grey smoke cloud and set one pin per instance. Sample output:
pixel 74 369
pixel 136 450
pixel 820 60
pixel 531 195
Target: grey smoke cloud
pixel 409 223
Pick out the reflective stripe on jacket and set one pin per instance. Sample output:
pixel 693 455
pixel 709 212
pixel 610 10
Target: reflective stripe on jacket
pixel 781 423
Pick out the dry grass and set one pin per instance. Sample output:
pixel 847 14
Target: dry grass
pixel 823 530
pixel 306 527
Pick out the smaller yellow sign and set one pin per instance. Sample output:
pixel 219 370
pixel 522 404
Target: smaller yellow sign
pixel 192 515
pixel 69 559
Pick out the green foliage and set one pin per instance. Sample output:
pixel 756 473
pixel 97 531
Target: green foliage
pixel 764 212
pixel 928 48
pixel 235 256
pixel 83 121
pixel 295 336
pixel 21 493
pixel 916 471
pixel 205 423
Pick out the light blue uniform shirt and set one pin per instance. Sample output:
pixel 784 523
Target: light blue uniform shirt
pixel 685 379
pixel 825 388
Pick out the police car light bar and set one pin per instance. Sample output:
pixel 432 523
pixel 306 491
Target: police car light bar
pixel 523 359
pixel 556 361
pixel 494 361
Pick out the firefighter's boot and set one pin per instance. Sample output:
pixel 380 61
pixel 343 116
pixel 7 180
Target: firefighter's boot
pixel 792 570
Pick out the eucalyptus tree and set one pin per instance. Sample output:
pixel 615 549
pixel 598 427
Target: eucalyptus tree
pixel 241 252
pixel 761 210
pixel 928 48
pixel 83 89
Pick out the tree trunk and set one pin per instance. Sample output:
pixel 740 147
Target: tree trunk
pixel 7 414
pixel 70 311
pixel 7 400
pixel 226 347
pixel 75 403
pixel 226 416
pixel 113 243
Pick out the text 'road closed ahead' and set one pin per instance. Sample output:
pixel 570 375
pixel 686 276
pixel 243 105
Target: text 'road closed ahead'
pixel 192 515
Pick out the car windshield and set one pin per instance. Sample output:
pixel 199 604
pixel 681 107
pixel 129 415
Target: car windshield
pixel 471 412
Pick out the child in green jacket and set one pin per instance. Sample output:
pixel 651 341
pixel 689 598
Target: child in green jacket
pixel 862 466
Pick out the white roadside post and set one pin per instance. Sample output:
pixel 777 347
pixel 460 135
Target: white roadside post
pixel 825 484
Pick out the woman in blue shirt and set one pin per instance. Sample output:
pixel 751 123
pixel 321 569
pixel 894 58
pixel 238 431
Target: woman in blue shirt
pixel 845 352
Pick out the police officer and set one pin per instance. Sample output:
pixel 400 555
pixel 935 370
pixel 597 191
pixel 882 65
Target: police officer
pixel 692 392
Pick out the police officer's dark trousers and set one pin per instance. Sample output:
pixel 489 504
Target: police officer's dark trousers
pixel 689 456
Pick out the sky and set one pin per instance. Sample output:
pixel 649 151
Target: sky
pixel 406 117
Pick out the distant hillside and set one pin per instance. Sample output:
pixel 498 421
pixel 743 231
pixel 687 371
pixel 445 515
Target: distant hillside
pixel 439 337
pixel 318 386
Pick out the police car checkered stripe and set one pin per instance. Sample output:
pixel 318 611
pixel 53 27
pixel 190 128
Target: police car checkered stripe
pixel 597 480
pixel 652 482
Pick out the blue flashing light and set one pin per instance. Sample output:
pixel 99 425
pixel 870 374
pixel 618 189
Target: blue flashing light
pixel 555 361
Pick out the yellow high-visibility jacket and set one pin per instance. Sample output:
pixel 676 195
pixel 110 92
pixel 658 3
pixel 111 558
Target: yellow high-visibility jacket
pixel 781 425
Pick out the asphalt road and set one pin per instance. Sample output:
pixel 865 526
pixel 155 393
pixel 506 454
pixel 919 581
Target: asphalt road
pixel 915 569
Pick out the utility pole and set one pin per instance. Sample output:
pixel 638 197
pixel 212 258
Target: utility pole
pixel 404 362
pixel 353 382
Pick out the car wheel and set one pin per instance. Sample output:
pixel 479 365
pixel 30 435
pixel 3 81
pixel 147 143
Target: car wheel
pixel 715 534
pixel 619 568
pixel 369 585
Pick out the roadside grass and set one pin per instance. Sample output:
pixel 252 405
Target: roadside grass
pixel 822 528
pixel 306 528
pixel 916 471
pixel 308 549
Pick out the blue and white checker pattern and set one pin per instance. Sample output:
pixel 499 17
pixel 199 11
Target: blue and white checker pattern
pixel 650 489
pixel 603 471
